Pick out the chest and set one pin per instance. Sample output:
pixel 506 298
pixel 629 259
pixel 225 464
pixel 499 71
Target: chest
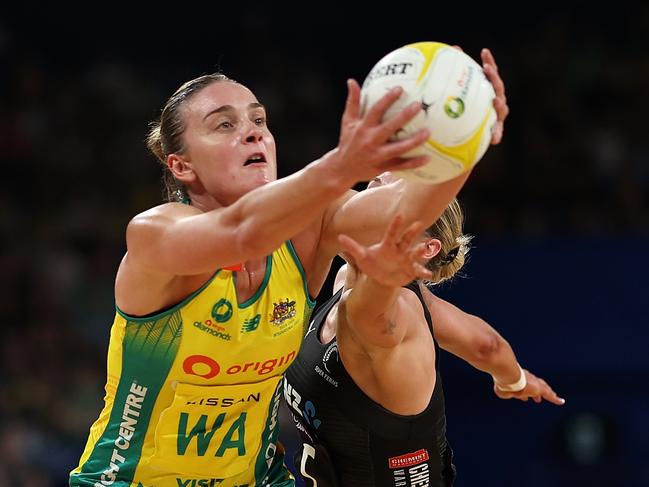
pixel 228 338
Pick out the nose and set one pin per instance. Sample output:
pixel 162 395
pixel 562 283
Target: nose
pixel 253 133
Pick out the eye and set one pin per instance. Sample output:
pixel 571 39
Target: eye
pixel 261 121
pixel 225 125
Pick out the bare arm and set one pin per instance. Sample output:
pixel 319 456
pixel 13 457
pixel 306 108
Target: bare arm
pixel 381 328
pixel 475 341
pixel 174 240
pixel 472 339
pixel 467 336
pixel 365 215
pixel 376 310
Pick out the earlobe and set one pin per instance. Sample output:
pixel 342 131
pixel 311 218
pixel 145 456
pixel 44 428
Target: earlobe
pixel 181 169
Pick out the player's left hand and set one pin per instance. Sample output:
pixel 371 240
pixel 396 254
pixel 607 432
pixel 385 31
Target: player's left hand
pixel 490 69
pixel 500 102
pixel 394 261
pixel 536 389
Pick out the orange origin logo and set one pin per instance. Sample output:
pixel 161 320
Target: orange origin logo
pixel 207 368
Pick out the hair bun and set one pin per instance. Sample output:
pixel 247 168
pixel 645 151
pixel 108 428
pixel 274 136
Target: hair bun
pixel 450 256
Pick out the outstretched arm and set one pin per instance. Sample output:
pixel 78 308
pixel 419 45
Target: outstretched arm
pixel 176 240
pixel 374 308
pixel 365 215
pixel 475 341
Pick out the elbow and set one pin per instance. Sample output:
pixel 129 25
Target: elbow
pixel 487 349
pixel 251 242
pixel 246 238
pixel 245 243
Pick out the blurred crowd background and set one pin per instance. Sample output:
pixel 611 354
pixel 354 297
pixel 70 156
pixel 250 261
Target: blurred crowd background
pixel 560 210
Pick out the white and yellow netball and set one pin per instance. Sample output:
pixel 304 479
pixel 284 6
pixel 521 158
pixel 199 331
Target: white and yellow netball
pixel 457 105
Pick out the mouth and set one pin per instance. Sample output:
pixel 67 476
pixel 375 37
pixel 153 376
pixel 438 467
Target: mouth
pixel 257 158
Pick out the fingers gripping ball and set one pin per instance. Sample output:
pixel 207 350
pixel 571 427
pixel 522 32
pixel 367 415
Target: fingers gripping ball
pixel 457 105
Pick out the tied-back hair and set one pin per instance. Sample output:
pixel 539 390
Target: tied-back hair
pixel 165 134
pixel 455 245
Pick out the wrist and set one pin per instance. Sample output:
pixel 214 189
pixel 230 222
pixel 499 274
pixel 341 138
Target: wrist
pixel 517 386
pixel 383 294
pixel 332 172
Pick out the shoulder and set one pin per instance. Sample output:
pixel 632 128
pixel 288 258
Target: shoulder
pixel 410 305
pixel 158 218
pixel 410 296
pixel 166 211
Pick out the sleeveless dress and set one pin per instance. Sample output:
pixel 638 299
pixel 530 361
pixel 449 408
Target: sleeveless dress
pixel 193 392
pixel 348 439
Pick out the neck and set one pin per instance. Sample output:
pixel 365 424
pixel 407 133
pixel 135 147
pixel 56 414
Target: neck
pixel 255 266
pixel 205 201
pixel 249 278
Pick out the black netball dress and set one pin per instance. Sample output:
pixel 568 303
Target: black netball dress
pixel 348 440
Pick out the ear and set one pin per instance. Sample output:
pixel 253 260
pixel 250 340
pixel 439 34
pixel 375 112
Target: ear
pixel 433 246
pixel 181 168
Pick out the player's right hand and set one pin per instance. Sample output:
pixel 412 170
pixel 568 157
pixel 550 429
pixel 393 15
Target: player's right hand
pixel 364 147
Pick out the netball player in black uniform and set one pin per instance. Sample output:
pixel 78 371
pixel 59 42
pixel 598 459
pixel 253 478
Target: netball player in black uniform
pixel 378 407
pixel 365 390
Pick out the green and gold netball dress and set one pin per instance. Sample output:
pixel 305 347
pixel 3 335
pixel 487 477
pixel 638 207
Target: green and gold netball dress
pixel 193 393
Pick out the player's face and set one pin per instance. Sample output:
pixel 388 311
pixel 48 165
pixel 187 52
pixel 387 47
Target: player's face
pixel 228 142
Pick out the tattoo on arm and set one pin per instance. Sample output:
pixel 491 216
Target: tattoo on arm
pixel 389 329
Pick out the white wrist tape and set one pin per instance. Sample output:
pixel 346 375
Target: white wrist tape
pixel 517 386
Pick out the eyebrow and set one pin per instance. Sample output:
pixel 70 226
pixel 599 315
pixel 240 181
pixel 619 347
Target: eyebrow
pixel 230 108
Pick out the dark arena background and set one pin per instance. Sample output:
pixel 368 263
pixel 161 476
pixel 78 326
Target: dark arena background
pixel 559 211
